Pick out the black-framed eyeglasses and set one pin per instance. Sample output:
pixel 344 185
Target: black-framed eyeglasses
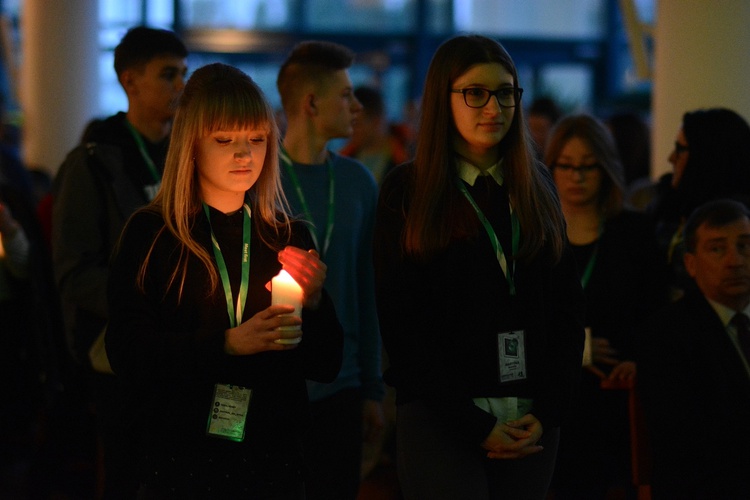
pixel 579 169
pixel 477 97
pixel 680 148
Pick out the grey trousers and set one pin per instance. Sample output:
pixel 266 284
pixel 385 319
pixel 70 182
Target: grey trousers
pixel 434 464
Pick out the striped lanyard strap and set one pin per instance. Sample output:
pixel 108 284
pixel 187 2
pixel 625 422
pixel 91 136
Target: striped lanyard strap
pixel 289 166
pixel 499 253
pixel 144 153
pixel 235 313
pixel 588 271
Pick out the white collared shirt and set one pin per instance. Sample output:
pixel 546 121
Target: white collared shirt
pixel 469 172
pixel 725 315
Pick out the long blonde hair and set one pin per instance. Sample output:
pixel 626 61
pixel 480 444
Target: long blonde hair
pixel 217 97
pixel 437 212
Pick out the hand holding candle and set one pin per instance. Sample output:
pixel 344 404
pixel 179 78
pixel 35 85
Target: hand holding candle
pixel 307 270
pixel 286 291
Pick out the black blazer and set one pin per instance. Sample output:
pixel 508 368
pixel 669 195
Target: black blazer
pixel 696 394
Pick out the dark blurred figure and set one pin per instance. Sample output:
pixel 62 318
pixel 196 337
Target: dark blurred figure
pixel 632 136
pixel 541 116
pixel 98 186
pixel 29 326
pixel 373 140
pixel 710 160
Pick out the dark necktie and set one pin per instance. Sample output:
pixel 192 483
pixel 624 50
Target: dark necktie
pixel 742 324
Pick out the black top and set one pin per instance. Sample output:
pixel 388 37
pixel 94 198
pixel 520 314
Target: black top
pixel 169 353
pixel 628 282
pixel 439 319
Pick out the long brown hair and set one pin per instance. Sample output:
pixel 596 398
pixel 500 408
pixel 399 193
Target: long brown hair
pixel 599 139
pixel 437 211
pixel 217 97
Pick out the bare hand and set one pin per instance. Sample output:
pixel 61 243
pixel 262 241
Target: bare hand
pixel 307 270
pixel 260 333
pixel 623 371
pixel 373 420
pixel 514 439
pixel 602 353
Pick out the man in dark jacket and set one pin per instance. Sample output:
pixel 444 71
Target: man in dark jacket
pixel 99 185
pixel 694 371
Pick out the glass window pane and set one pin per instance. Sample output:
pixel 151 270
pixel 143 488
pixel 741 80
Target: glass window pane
pixel 239 14
pixel 531 18
pixel 122 12
pixel 439 16
pixel 569 84
pixel 390 16
pixel 160 13
pixel 112 97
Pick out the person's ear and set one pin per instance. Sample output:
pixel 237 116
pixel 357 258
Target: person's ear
pixel 128 81
pixel 689 260
pixel 309 105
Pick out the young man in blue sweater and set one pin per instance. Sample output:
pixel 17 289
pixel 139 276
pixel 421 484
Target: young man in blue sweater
pixel 337 196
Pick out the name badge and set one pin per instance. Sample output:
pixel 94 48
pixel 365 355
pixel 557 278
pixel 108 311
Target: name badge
pixel 511 356
pixel 228 413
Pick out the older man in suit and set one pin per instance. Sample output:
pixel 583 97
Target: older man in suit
pixel 694 371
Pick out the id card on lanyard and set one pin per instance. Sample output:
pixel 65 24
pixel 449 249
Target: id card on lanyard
pixel 228 415
pixel 511 346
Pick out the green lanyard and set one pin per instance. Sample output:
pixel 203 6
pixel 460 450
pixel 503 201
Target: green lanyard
pixel 588 271
pixel 589 267
pixel 235 314
pixel 284 157
pixel 142 148
pixel 515 237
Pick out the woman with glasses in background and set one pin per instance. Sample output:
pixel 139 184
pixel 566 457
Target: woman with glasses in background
pixel 710 160
pixel 623 281
pixel 480 306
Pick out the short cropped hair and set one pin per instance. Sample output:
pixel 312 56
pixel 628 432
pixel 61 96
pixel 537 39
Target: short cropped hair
pixel 717 213
pixel 141 44
pixel 310 62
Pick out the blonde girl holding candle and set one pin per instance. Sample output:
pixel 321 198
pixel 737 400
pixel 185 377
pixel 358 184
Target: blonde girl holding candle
pixel 219 403
pixel 478 298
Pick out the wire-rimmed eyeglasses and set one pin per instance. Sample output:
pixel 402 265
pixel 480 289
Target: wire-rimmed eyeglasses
pixel 584 170
pixel 477 97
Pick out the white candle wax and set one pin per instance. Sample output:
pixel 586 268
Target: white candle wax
pixel 286 291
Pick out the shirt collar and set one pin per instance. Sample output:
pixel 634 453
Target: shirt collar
pixel 726 313
pixel 469 173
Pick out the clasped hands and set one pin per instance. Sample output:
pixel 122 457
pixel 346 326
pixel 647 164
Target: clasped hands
pixel 515 438
pixel 260 332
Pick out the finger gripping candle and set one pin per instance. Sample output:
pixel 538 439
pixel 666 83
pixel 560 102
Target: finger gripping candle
pixel 286 291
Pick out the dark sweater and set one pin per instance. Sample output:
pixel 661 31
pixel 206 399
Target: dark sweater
pixel 169 353
pixel 439 320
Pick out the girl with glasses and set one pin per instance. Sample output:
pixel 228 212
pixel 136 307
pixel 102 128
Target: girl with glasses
pixel 710 160
pixel 480 307
pixel 623 281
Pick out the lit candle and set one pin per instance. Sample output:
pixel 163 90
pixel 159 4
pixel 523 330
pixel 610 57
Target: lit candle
pixel 284 290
